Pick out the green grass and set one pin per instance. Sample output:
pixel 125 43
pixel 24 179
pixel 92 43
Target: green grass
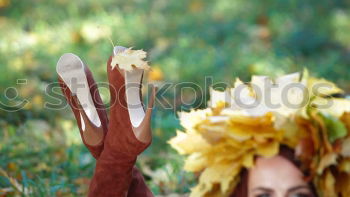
pixel 40 148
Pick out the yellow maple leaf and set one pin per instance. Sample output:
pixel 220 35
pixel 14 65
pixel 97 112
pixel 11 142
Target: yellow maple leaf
pixel 188 143
pixel 130 59
pixel 222 174
pixel 224 138
pixel 322 87
pixel 327 184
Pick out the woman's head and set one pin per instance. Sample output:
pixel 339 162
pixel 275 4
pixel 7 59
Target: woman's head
pixel 223 140
pixel 278 176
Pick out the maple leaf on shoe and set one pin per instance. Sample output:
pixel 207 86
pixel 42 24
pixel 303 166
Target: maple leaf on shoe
pixel 129 60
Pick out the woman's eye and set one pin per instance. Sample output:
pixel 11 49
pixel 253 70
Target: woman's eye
pixel 265 195
pixel 301 195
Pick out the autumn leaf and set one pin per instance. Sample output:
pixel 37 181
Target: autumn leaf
pixel 345 150
pixel 345 118
pixel 130 59
pixel 322 87
pixel 326 161
pixel 156 74
pixel 327 184
pixel 336 129
pixel 343 184
pixel 344 165
pixel 224 138
pixel 188 143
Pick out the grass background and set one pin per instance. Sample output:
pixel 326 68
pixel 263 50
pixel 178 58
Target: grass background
pixel 41 153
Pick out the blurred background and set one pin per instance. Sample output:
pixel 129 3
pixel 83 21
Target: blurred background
pixel 41 153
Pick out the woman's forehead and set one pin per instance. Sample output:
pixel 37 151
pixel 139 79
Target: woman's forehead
pixel 275 172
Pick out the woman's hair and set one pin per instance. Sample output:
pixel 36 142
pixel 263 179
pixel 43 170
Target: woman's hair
pixel 242 188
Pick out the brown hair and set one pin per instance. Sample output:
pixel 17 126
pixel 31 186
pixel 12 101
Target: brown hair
pixel 242 188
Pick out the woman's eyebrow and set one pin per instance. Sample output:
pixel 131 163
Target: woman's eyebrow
pixel 299 187
pixel 263 189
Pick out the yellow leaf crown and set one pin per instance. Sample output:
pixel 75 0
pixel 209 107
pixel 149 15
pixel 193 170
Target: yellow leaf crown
pixel 239 124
